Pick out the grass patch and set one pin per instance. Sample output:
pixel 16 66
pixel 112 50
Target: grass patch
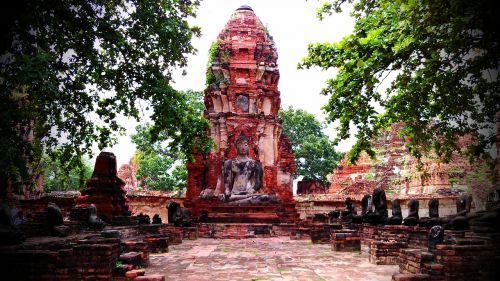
pixel 282 269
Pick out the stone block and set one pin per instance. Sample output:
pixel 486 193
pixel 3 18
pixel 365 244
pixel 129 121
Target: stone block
pixel 411 277
pixel 157 244
pixel 133 258
pixel 154 277
pixel 320 235
pixel 346 242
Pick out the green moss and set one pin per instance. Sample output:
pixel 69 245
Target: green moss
pixel 395 182
pixel 282 269
pixel 406 174
pixel 225 56
pixel 455 172
pixel 266 29
pixel 213 52
pixel 210 77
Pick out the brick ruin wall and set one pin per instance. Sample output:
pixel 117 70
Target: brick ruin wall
pixel 148 203
pixel 151 203
pixel 395 170
pixel 309 205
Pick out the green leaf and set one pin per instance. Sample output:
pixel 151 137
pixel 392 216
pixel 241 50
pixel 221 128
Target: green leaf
pixel 441 53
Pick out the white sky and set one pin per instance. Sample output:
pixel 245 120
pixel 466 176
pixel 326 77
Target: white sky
pixel 293 25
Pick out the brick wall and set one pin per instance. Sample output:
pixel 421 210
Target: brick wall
pixel 80 260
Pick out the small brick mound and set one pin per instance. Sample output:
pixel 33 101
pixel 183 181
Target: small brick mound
pixel 385 252
pixel 300 233
pixel 469 262
pixel 173 233
pixel 156 243
pixel 140 247
pixel 320 235
pixel 133 258
pixel 87 259
pixel 190 233
pixel 346 242
pixel 412 261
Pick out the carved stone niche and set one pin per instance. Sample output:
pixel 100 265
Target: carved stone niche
pixel 260 71
pixel 243 53
pixel 242 102
pixel 267 106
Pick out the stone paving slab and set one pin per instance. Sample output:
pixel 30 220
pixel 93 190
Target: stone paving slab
pixel 260 259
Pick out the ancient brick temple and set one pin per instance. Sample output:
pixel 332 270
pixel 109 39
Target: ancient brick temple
pixel 395 170
pixel 243 99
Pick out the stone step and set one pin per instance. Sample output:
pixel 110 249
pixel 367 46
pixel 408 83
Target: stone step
pixel 134 273
pixel 120 270
pixel 244 209
pixel 411 277
pixel 157 244
pixel 153 277
pixel 242 217
pixel 235 230
pixel 133 258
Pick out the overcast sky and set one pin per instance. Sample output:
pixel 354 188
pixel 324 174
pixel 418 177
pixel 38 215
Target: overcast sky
pixel 293 25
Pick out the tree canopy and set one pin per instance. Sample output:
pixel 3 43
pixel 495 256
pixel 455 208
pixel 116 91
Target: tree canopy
pixel 55 178
pixel 69 68
pixel 164 172
pixel 444 57
pixel 315 156
pixel 159 165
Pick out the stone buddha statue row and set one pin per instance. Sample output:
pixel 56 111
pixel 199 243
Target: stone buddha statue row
pixel 458 221
pixel 374 211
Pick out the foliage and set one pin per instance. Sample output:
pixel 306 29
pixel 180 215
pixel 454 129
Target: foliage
pixel 159 166
pixel 55 177
pixel 160 172
pixel 225 56
pixel 444 56
pixel 314 153
pixel 69 68
pixel 213 52
pixel 479 182
pixel 266 29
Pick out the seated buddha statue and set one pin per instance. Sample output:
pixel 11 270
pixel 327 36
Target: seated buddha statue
pixel 243 177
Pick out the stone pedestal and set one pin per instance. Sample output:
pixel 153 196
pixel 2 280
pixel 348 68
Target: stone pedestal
pixel 105 190
pixel 346 241
pixel 219 212
pixel 385 252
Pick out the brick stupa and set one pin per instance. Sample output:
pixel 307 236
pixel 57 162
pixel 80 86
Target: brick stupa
pixel 243 98
pixel 105 190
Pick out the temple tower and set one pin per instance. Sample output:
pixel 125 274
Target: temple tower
pixel 242 97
